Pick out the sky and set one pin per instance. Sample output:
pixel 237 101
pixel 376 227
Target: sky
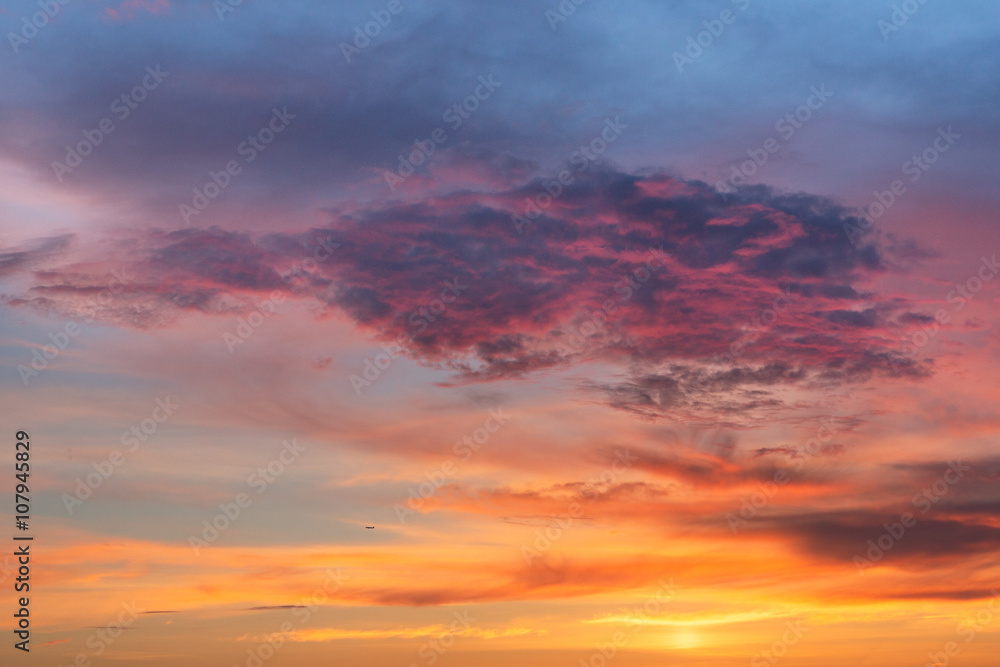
pixel 412 332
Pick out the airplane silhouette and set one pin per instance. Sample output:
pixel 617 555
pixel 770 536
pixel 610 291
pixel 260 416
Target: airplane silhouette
pixel 370 527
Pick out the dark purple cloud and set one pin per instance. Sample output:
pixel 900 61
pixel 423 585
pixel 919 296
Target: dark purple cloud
pixel 698 294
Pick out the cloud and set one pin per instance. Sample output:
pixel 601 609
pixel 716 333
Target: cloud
pixel 274 607
pixel 332 634
pixel 699 295
pixel 844 535
pixel 22 259
pixel 57 641
pixel 128 10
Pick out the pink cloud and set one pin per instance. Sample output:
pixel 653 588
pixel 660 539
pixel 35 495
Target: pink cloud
pixel 128 10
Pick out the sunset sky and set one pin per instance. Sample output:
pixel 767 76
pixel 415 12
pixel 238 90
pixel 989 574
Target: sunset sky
pixel 644 334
